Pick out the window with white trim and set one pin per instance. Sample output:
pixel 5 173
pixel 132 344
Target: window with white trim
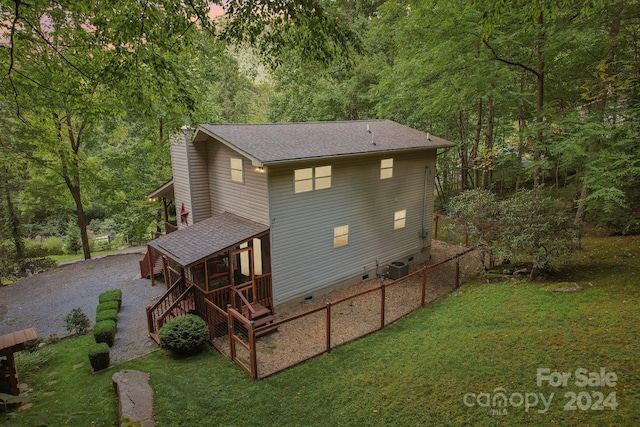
pixel 399 219
pixel 386 168
pixel 310 179
pixel 237 174
pixel 341 236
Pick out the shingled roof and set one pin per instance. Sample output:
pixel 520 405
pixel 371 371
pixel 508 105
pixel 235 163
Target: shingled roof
pixel 197 242
pixel 281 142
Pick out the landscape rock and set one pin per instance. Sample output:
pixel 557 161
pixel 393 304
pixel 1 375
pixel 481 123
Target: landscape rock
pixel 135 397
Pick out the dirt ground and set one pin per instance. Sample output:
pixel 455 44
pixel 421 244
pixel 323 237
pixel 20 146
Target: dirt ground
pixel 301 339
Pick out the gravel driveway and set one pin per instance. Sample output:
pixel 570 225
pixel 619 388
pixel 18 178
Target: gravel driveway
pixel 43 300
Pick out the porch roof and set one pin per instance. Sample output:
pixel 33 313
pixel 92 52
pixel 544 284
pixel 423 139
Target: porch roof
pixel 193 244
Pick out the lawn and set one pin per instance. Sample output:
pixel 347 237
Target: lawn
pixel 442 365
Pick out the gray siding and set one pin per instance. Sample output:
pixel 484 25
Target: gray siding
pixel 249 199
pixel 181 184
pixel 303 257
pixel 198 175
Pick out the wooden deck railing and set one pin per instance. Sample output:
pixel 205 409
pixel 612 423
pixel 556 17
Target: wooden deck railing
pixel 158 310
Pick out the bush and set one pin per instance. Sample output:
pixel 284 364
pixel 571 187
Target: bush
pixel 99 356
pixel 184 335
pixel 107 315
pixel 76 321
pixel 105 331
pixel 111 295
pixel 109 305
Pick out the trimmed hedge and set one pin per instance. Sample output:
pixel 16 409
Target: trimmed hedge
pixel 109 305
pixel 99 356
pixel 107 315
pixel 111 295
pixel 184 335
pixel 105 331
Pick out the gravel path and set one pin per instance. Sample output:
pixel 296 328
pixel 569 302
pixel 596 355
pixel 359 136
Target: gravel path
pixel 44 299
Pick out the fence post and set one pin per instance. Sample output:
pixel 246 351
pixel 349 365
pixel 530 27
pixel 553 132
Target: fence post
pixel 253 359
pixel 457 272
pixel 382 298
pixel 328 327
pixel 424 286
pixel 232 346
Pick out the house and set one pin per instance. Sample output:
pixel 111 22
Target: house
pixel 282 212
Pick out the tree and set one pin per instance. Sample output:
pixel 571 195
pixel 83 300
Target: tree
pixel 526 224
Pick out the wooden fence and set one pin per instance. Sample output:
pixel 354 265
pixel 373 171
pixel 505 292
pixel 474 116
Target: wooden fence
pixel 317 331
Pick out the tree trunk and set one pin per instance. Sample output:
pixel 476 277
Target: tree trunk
pixel 476 145
pixel 70 171
pixel 537 152
pixel 14 224
pixel 488 158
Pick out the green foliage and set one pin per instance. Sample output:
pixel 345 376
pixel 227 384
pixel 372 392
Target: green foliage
pixel 108 305
pixel 29 363
pixel 526 223
pixel 48 246
pixel 72 242
pixel 105 332
pixel 99 357
pixel 107 315
pixel 111 295
pixel 76 321
pixel 184 335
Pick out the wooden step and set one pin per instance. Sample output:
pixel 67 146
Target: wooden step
pixel 262 321
pixel 260 310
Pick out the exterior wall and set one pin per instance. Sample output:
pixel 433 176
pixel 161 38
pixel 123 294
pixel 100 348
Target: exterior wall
pixel 304 260
pixel 181 184
pixel 191 186
pixel 249 199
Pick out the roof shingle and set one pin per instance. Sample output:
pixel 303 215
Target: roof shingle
pixel 279 142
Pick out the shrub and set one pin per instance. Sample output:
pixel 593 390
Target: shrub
pixel 76 321
pixel 184 335
pixel 109 305
pixel 107 315
pixel 105 331
pixel 111 295
pixel 99 356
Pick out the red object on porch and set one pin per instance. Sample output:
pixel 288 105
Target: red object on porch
pixel 9 344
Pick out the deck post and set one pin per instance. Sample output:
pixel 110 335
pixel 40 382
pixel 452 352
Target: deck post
pixel 151 265
pixel 149 320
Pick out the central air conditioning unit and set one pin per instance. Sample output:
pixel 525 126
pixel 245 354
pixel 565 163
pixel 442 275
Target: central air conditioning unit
pixel 398 269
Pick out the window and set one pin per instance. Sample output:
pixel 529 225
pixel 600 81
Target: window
pixel 303 180
pixel 340 236
pixel 386 168
pixel 323 177
pixel 236 170
pixel 399 219
pixel 310 179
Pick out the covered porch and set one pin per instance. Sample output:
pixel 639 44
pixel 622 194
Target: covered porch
pixel 221 262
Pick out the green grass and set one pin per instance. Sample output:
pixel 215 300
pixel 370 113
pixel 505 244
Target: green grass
pixel 80 256
pixel 415 372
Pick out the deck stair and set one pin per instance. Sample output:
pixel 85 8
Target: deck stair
pixel 260 315
pixel 177 301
